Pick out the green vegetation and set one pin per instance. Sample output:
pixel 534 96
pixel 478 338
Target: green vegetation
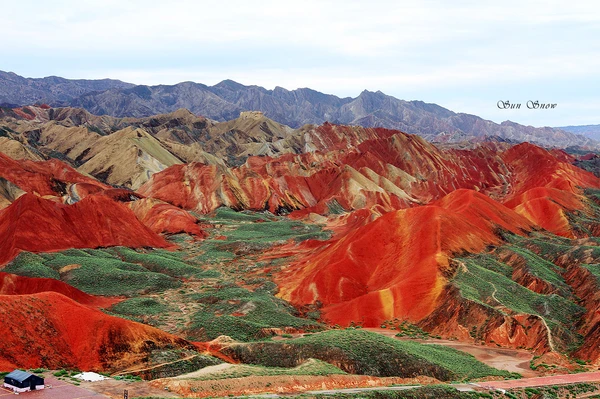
pixel 362 352
pixel 114 271
pixel 595 270
pixel 173 362
pixel 159 263
pixel 490 263
pixel 30 265
pixel 38 370
pixel 269 232
pixel 542 269
pixel 139 307
pixel 409 330
pixel 242 314
pixel 228 216
pixel 239 239
pixel 309 367
pixel 214 252
pixel 449 392
pixel 104 276
pixel 491 289
pixel 548 247
pixel 200 280
pixel 262 229
pixel 127 377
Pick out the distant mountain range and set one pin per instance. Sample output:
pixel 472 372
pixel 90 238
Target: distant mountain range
pixel 591 131
pixel 225 100
pixel 17 90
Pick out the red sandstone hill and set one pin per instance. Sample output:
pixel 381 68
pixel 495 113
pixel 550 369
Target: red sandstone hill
pixel 45 178
pixel 393 172
pixel 394 267
pixel 431 203
pixel 58 332
pixel 11 284
pixel 390 172
pixel 161 217
pixel 98 218
pixel 34 224
pixel 545 187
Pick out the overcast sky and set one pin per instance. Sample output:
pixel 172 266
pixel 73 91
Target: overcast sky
pixel 463 55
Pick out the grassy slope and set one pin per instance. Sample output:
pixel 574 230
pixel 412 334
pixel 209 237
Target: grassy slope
pixel 104 272
pixel 362 352
pixel 310 367
pixel 243 314
pixel 486 275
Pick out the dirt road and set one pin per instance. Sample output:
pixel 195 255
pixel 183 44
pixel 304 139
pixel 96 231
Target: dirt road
pixel 543 381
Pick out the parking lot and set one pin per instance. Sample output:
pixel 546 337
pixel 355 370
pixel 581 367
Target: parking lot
pixel 56 389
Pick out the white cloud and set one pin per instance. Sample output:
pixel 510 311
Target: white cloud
pixel 339 26
pixel 341 47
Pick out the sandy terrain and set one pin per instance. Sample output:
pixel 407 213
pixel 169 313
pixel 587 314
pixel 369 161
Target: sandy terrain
pixel 114 389
pixel 59 390
pixel 204 371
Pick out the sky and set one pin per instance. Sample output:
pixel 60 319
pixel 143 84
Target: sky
pixel 463 55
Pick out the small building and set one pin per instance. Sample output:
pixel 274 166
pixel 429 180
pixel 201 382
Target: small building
pixel 22 381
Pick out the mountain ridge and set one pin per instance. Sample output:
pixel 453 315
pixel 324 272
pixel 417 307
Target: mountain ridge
pixel 18 90
pixel 225 100
pixel 591 131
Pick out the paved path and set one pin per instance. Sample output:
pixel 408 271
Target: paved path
pixel 335 391
pixel 543 381
pixel 359 390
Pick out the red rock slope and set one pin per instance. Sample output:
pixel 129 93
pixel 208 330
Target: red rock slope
pixel 544 187
pixel 34 224
pixel 389 172
pixel 394 267
pixel 392 172
pixel 161 217
pixel 46 178
pixel 11 284
pixel 52 331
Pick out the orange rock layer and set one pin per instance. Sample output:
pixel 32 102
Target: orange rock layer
pixel 50 330
pixel 11 284
pixel 34 224
pixel 48 178
pixel 394 267
pixel 390 172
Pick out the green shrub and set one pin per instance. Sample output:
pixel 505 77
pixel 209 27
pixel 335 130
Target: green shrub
pixel 362 352
pixel 61 373
pixel 258 310
pixel 158 263
pixel 140 307
pixel 30 265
